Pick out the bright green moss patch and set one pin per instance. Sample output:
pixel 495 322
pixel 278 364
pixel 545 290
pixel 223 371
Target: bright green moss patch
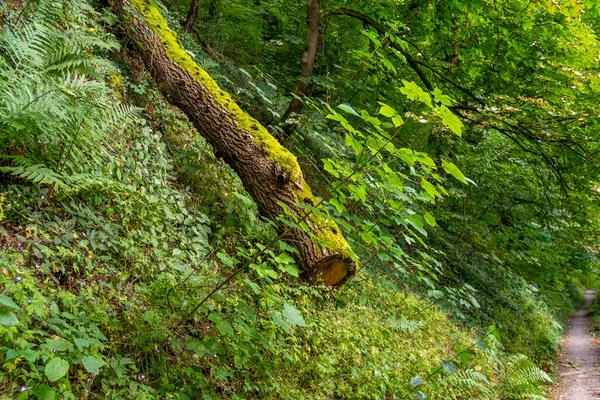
pixel 272 148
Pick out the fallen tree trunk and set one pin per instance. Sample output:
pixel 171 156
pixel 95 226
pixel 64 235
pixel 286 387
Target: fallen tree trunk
pixel 270 173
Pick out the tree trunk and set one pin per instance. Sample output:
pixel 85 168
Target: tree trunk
pixel 314 17
pixel 190 21
pixel 270 173
pixel 303 88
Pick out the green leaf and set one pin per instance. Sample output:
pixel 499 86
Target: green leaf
pixel 372 36
pixel 449 366
pixel 416 381
pixel 328 166
pixel 417 223
pixel 348 109
pixel 430 189
pixel 222 325
pixel 359 193
pixel 387 111
pixel 293 315
pixel 8 318
pixel 397 120
pixel 81 343
pixel 454 171
pixel 450 119
pixel 225 328
pixel 280 322
pixel 8 302
pixel 290 269
pixel 441 98
pixel 429 219
pixel 481 345
pixel 414 92
pixel 56 369
pixel 338 205
pixel 92 364
pixel 45 392
pixel 59 345
pixel 28 354
pixel 197 347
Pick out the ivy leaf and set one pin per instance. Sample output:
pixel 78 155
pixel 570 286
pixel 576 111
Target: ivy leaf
pixel 56 369
pixel 8 318
pixel 454 171
pixel 293 315
pixel 92 364
pixel 8 302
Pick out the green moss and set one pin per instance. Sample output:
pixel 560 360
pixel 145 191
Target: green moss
pixel 272 148
pixel 325 229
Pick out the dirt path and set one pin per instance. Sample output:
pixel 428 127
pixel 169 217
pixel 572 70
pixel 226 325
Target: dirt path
pixel 579 360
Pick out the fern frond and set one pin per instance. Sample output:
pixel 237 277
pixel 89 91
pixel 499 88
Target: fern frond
pixel 405 324
pixel 37 173
pixel 469 380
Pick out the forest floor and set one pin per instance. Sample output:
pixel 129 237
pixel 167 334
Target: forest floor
pixel 579 360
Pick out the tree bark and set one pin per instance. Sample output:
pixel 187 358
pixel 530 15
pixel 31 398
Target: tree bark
pixel 190 21
pixel 307 63
pixel 270 173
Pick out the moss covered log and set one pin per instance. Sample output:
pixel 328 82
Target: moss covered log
pixel 269 171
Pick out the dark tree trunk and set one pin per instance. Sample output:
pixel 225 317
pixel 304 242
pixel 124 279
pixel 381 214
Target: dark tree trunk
pixel 307 64
pixel 270 173
pixel 190 21
pixel 314 17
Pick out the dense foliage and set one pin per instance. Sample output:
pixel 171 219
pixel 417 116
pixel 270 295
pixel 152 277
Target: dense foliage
pixel 454 145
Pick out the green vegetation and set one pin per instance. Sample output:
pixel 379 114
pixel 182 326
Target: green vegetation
pixel 472 208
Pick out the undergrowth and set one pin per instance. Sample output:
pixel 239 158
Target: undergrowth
pixel 118 220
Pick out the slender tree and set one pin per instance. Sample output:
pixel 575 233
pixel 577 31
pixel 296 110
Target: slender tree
pixel 190 20
pixel 314 16
pixel 307 63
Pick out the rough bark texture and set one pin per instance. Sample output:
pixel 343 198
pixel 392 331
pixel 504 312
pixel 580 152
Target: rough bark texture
pixel 270 173
pixel 311 43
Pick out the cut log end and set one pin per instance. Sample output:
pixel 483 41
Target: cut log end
pixel 333 270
